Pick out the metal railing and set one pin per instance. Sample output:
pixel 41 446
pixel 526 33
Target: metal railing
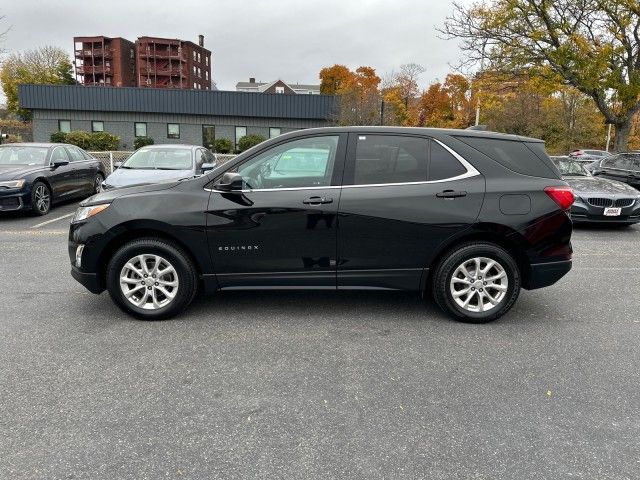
pixel 108 159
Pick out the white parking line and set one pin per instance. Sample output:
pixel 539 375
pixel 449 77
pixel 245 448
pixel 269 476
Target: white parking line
pixel 53 220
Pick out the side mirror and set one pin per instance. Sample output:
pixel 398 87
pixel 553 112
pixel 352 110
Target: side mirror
pixel 207 166
pixel 230 182
pixel 117 165
pixel 60 163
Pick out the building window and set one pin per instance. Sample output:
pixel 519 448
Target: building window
pixel 194 55
pixel 64 126
pixel 173 130
pixel 97 126
pixel 206 74
pixel 199 58
pixel 195 85
pixel 140 129
pixel 279 89
pixel 274 132
pixel 206 60
pixel 240 132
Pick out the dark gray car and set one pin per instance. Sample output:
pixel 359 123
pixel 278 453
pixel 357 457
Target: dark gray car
pixel 599 199
pixel 161 163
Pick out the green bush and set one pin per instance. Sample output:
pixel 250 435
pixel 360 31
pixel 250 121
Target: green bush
pixel 142 141
pixel 79 138
pixel 249 141
pixel 58 137
pixel 222 145
pixel 103 141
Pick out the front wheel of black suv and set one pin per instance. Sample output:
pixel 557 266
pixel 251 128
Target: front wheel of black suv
pixel 476 282
pixel 151 279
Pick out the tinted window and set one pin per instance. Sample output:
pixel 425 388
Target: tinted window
pixel 443 164
pixel 307 162
pixel 514 155
pixel 390 159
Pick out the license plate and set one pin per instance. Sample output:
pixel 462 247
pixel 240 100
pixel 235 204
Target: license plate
pixel 612 212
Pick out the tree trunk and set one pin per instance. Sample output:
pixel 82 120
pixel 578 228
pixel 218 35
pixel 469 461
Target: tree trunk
pixel 623 130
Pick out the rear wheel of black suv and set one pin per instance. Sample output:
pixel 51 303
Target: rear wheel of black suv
pixel 476 282
pixel 151 279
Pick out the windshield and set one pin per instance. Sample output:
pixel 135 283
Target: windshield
pixel 22 155
pixel 571 168
pixel 159 159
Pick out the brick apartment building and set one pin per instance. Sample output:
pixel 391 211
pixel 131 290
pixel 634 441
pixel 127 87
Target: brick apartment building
pixel 105 61
pixel 149 62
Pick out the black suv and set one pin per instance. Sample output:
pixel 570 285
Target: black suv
pixel 471 216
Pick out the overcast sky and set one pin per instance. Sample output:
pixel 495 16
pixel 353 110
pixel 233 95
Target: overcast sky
pixel 266 39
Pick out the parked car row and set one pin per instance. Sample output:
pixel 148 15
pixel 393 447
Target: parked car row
pixel 35 176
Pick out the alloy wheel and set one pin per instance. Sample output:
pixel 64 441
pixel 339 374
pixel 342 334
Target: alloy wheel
pixel 149 281
pixel 42 198
pixel 479 284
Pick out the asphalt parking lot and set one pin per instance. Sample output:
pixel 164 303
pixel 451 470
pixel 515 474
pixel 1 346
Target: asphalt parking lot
pixel 317 385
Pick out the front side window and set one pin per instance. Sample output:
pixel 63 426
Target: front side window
pixel 140 129
pixel 302 163
pixel 59 154
pixel 173 130
pixel 75 154
pixel 64 126
pixel 97 126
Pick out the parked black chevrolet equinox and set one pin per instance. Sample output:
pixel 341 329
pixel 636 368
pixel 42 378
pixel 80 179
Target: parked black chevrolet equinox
pixel 471 216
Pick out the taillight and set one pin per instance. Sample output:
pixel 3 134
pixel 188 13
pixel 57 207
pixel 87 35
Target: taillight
pixel 563 196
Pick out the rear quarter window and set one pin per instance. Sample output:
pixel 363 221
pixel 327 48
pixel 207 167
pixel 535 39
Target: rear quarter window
pixel 525 158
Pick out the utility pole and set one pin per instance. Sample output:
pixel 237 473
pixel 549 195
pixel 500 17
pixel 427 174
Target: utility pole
pixel 382 113
pixel 484 44
pixel 608 137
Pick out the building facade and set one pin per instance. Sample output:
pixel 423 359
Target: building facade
pixel 150 62
pixel 277 86
pixel 171 116
pixel 173 63
pixel 104 61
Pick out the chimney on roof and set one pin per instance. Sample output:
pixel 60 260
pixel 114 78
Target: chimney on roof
pixel 252 80
pixel 201 40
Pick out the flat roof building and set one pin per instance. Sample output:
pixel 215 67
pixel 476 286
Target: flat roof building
pixel 171 115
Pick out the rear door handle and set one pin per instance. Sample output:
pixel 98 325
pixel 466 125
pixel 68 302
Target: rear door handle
pixel 317 200
pixel 451 194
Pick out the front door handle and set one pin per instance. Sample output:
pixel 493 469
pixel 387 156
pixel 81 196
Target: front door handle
pixel 317 200
pixel 451 194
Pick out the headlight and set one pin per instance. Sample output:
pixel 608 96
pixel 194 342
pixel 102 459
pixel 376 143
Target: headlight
pixel 87 212
pixel 13 184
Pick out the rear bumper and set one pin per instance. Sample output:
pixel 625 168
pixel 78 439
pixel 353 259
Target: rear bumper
pixel 544 274
pixel 87 280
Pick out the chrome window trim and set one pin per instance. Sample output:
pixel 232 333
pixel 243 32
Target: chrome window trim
pixel 471 172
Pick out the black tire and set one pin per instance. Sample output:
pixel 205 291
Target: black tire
pixel 185 270
pixel 97 182
pixel 40 198
pixel 445 269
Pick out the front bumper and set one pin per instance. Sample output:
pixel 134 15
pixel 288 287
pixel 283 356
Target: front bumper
pixel 583 212
pixel 87 280
pixel 12 200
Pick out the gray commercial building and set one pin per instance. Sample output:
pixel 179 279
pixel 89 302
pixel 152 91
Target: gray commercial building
pixel 171 115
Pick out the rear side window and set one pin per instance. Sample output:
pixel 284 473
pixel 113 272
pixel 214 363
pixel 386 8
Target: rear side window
pixel 515 155
pixel 390 159
pixel 443 164
pixel 384 159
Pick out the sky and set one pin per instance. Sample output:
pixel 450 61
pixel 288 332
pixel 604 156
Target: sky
pixel 266 39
